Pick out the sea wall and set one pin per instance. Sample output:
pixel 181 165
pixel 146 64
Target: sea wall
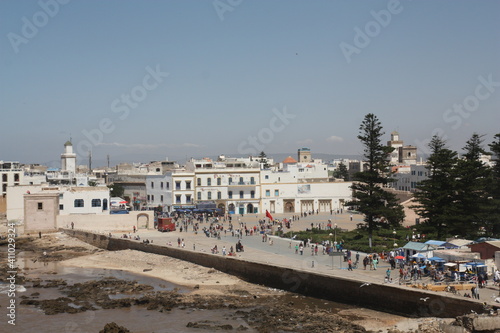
pixel 403 301
pixel 108 222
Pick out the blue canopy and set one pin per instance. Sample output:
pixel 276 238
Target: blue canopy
pixel 436 259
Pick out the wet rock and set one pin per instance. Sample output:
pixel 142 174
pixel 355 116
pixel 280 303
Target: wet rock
pixel 114 328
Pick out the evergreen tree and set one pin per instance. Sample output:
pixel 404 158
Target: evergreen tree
pixel 471 202
pixel 494 190
pixel 263 160
pixel 369 196
pixel 341 172
pixel 435 196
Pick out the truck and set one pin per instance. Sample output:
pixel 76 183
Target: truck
pixel 165 224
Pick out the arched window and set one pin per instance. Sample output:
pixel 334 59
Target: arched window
pixel 96 202
pixel 105 204
pixel 230 194
pixel 78 202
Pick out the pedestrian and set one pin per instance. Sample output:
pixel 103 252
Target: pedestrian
pixel 179 242
pixel 375 262
pixel 349 263
pixel 388 275
pixel 134 229
pixel 301 250
pixel 223 250
pixel 365 262
pixel 296 248
pixel 72 225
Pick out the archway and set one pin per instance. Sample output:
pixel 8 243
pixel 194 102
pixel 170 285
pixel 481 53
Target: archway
pixel 289 207
pixel 231 208
pixel 250 209
pixel 143 219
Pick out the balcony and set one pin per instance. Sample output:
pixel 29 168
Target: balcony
pixel 247 183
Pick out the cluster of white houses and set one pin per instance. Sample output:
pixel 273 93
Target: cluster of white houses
pixel 41 196
pixel 240 186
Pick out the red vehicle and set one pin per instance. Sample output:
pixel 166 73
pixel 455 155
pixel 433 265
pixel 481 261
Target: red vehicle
pixel 165 224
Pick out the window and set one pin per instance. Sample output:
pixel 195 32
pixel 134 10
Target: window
pixel 161 185
pixel 198 181
pixel 230 194
pixel 78 202
pixel 178 199
pixel 252 194
pixel 252 180
pixel 96 203
pixel 209 181
pixel 40 206
pixel 241 181
pixel 209 195
pixel 4 177
pixel 266 177
pixel 149 198
pixel 61 207
pixel 276 193
pixel 168 185
pixel 161 198
pixel 105 204
pixel 152 185
pixel 219 181
pixel 241 194
pixel 16 177
pixel 268 193
pixel 177 185
pixel 199 195
pixel 152 198
pixel 188 198
pixel 188 185
pixel 230 180
pixel 219 195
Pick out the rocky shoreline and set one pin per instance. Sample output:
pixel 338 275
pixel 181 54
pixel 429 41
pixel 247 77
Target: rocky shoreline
pixel 261 309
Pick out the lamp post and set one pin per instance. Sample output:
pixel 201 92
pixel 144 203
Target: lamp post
pixel 335 233
pixel 331 250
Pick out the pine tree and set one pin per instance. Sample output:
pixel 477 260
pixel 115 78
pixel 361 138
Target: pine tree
pixel 471 201
pixel 369 196
pixel 435 196
pixel 341 172
pixel 494 190
pixel 263 160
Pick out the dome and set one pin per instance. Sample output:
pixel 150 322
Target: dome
pixel 289 160
pixel 68 143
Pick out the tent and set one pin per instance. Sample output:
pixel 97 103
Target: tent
pixel 437 259
pixel 418 255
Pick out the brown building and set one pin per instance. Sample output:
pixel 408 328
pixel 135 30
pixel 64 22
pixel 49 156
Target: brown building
pixel 486 249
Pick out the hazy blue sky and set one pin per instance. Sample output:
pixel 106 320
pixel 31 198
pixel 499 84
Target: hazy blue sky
pixel 148 79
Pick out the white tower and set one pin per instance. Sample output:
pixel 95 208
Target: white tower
pixel 68 158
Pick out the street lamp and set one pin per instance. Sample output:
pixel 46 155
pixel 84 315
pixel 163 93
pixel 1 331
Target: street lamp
pixel 335 233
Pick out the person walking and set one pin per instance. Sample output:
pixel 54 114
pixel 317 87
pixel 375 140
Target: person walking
pixel 349 264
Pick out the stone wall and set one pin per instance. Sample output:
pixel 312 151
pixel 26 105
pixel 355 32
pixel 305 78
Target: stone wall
pixel 108 223
pixel 409 302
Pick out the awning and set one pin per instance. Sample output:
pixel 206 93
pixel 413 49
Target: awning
pixel 450 264
pixel 436 259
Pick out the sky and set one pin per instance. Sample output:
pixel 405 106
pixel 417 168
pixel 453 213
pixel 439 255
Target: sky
pixel 150 80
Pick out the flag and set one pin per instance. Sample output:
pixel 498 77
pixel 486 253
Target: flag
pixel 269 215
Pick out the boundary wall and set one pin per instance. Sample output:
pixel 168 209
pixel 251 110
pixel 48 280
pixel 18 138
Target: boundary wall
pixel 402 301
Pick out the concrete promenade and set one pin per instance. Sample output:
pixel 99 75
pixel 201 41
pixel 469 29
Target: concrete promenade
pixel 282 252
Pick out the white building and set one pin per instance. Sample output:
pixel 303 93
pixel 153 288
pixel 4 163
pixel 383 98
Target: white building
pixel 71 199
pixel 408 176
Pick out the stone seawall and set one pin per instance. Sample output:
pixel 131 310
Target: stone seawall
pixel 409 302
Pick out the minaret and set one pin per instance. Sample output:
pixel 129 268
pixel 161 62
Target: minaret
pixel 68 158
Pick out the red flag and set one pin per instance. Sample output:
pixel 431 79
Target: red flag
pixel 269 215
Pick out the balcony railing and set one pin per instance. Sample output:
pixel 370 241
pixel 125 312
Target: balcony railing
pixel 242 183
